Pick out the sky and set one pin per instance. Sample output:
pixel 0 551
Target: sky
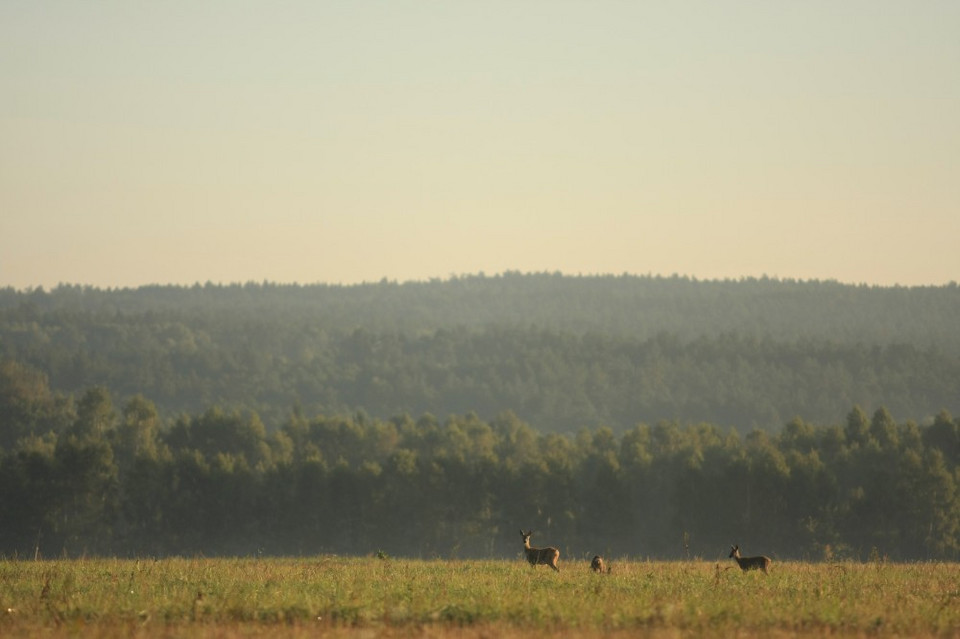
pixel 346 142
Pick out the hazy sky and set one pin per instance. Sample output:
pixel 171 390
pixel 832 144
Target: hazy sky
pixel 230 141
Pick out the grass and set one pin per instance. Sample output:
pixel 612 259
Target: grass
pixel 337 596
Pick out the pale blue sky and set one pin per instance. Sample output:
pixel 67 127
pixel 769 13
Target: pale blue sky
pixel 229 141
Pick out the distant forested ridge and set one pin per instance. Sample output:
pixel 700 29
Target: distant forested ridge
pixel 560 352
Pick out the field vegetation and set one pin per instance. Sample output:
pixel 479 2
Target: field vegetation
pixel 381 596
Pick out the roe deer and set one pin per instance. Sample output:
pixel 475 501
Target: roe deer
pixel 547 556
pixel 597 565
pixel 750 563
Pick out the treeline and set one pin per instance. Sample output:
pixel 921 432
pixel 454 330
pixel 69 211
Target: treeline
pixel 82 477
pixel 626 305
pixel 563 353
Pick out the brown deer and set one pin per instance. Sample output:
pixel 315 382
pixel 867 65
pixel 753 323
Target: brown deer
pixel 597 565
pixel 750 563
pixel 546 556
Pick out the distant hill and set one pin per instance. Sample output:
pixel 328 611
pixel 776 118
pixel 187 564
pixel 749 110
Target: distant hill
pixel 561 352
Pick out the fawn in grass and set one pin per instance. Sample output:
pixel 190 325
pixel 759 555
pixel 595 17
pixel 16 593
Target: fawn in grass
pixel 750 563
pixel 547 556
pixel 598 565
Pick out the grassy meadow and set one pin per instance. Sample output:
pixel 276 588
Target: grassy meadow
pixel 341 597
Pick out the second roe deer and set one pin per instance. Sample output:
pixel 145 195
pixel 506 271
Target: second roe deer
pixel 750 563
pixel 547 556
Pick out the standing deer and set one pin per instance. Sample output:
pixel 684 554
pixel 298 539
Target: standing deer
pixel 597 565
pixel 547 556
pixel 750 563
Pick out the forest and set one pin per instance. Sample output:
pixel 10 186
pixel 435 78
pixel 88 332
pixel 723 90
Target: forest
pixel 632 415
pixel 102 481
pixel 562 353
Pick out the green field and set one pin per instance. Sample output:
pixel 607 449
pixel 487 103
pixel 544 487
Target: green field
pixel 336 596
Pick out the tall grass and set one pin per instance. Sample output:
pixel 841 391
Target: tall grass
pixel 342 596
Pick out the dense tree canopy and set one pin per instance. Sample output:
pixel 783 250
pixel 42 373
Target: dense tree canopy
pixel 563 353
pixel 640 416
pixel 88 478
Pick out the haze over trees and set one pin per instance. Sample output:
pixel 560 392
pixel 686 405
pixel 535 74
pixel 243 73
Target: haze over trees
pixel 561 352
pixel 636 416
pixel 115 481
